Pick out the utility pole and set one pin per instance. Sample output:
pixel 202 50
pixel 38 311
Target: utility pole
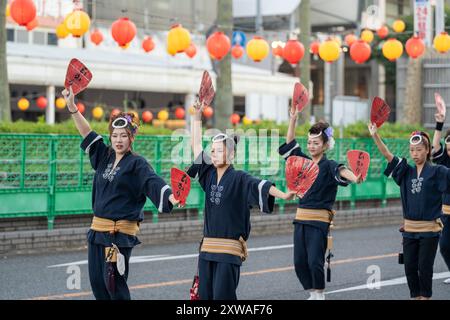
pixel 224 95
pixel 304 12
pixel 5 104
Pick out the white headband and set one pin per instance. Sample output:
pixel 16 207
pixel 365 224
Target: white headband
pixel 117 126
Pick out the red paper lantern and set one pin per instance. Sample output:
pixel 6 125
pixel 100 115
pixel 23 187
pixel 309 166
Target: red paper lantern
pixel 180 113
pixel 237 51
pixel 315 47
pixel 96 37
pixel 293 51
pixel 277 51
pixel 360 51
pixel 148 45
pixel 32 24
pixel 123 31
pixel 235 118
pixel 350 39
pixel 147 116
pixel 22 11
pixel 218 45
pixel 415 47
pixel 191 51
pixel 208 112
pixel 383 32
pixel 41 102
pixel 81 107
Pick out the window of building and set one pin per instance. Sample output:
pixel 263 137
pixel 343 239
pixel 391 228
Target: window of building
pixel 22 36
pixel 10 35
pixel 39 37
pixel 52 39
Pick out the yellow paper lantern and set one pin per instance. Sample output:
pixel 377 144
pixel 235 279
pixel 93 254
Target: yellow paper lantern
pixel 97 112
pixel 329 50
pixel 442 42
pixel 257 48
pixel 61 31
pixel 163 115
pixel 191 110
pixel 392 49
pixel 135 114
pixel 178 39
pixel 60 103
pixel 367 36
pixel 171 50
pixel 246 121
pixel 77 23
pixel 398 26
pixel 8 10
pixel 23 104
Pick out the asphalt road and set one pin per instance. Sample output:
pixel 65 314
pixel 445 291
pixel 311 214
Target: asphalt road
pixel 166 271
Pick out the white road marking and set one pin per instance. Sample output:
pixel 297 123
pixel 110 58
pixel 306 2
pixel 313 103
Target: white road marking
pixel 392 282
pixel 165 257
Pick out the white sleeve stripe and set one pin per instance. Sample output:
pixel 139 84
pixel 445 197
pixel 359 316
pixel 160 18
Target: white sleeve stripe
pixel 260 186
pixel 436 156
pixel 287 154
pixel 90 144
pixel 395 167
pixel 161 199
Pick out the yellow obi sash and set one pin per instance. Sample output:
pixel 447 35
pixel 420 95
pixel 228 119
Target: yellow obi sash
pixel 315 215
pixel 445 209
pixel 124 226
pixel 423 226
pixel 221 245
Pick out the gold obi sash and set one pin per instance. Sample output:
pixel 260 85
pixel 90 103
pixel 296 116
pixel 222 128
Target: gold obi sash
pixel 423 226
pixel 315 215
pixel 124 226
pixel 221 245
pixel 445 209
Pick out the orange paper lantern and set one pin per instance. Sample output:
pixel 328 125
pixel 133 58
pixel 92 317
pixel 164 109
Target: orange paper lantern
pixel 22 11
pixel 235 118
pixel 123 31
pixel 191 51
pixel 237 51
pixel 218 45
pixel 148 44
pixel 293 51
pixel 147 116
pixel 415 47
pixel 96 37
pixel 360 51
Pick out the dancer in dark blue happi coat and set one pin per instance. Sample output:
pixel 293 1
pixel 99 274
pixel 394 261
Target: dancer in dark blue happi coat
pixel 421 188
pixel 122 182
pixel 229 194
pixel 441 155
pixel 315 210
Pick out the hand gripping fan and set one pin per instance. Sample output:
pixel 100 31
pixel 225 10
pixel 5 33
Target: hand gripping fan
pixel 78 76
pixel 181 184
pixel 359 162
pixel 440 104
pixel 379 112
pixel 300 174
pixel 300 97
pixel 206 92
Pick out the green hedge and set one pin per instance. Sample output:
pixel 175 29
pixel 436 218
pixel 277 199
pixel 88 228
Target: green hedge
pixel 357 130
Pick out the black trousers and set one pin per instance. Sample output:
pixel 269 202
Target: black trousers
pixel 310 245
pixel 218 280
pixel 444 242
pixel 98 274
pixel 419 255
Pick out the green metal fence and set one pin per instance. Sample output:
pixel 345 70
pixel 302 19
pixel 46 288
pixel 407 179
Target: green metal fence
pixel 49 175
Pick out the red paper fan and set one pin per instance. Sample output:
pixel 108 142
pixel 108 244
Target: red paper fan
pixel 379 112
pixel 300 174
pixel 359 162
pixel 78 76
pixel 181 184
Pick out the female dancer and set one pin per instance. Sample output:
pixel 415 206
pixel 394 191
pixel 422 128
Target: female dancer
pixel 230 194
pixel 441 155
pixel 122 182
pixel 421 189
pixel 314 213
